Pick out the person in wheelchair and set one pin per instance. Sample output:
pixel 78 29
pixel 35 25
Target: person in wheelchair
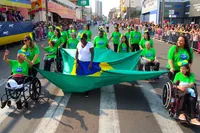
pixel 50 55
pixel 185 82
pixel 20 69
pixel 148 58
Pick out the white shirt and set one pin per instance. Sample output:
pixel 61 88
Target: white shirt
pixel 84 54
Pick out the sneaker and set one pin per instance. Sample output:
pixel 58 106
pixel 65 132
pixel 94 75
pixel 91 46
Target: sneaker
pixel 182 117
pixel 195 122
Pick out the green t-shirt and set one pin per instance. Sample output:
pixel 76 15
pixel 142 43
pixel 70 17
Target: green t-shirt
pixel 50 35
pixel 100 42
pixel 57 41
pixel 89 34
pixel 70 32
pixel 19 68
pixel 122 48
pixel 105 34
pixel 72 43
pixel 135 37
pixel 51 51
pixel 181 55
pixel 64 35
pixel 128 34
pixel 30 53
pixel 143 41
pixel 149 54
pixel 182 78
pixel 116 37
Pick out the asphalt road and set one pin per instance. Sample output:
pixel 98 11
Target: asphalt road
pixel 122 108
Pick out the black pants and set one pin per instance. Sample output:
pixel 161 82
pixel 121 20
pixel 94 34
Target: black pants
pixel 188 101
pixel 195 45
pixel 32 71
pixel 115 47
pixel 107 28
pixel 47 64
pixel 135 47
pixel 59 61
pixel 65 44
pixel 149 64
pixel 171 75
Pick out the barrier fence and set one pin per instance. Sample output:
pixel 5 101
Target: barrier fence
pixel 172 37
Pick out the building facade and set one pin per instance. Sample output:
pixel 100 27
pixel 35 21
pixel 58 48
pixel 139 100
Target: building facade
pixel 175 11
pixel 98 8
pixel 150 11
pixel 112 13
pixel 129 6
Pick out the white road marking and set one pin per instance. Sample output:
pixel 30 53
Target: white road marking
pixel 51 119
pixel 3 81
pixel 166 123
pixel 108 119
pixel 6 110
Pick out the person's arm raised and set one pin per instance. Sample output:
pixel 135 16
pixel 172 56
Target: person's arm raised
pixel 5 56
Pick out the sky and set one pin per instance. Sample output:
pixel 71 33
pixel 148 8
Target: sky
pixel 107 5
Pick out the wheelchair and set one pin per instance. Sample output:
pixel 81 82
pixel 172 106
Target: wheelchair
pixel 170 101
pixel 29 89
pixel 141 67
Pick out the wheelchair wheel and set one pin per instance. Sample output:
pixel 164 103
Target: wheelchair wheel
pixel 198 110
pixel 14 94
pixel 167 94
pixel 35 89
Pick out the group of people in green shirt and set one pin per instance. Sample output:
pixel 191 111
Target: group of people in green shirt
pixel 62 39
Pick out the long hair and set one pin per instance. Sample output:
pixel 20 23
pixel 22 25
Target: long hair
pixel 189 71
pixel 88 26
pixel 148 36
pixel 186 47
pixel 59 34
pixel 127 44
pixel 31 42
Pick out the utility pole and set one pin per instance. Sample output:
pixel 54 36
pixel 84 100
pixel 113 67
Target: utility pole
pixel 163 13
pixel 47 16
pixel 82 13
pixel 129 13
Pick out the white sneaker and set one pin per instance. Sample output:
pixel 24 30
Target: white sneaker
pixel 195 122
pixel 182 117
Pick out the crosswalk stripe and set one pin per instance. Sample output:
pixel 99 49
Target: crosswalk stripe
pixel 3 81
pixel 51 119
pixel 167 124
pixel 108 119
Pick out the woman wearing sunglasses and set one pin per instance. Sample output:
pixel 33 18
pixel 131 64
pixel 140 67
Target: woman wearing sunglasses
pixel 32 52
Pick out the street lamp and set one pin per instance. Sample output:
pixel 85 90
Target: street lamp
pixel 47 16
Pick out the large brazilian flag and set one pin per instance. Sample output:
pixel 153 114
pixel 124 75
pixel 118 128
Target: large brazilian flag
pixel 108 68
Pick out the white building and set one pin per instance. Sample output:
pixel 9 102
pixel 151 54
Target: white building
pixel 98 8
